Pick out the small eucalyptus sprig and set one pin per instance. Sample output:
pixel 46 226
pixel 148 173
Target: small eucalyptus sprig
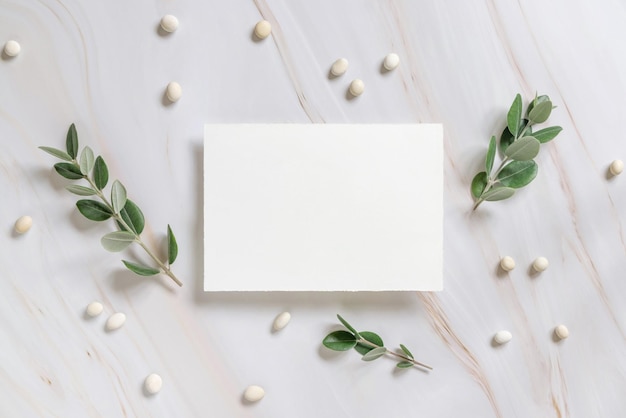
pixel 127 215
pixel 369 345
pixel 519 145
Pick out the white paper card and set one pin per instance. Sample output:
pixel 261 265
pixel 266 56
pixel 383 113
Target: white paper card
pixel 321 207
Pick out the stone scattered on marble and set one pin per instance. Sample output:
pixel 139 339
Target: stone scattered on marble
pixel 281 321
pixel 115 321
pixel 153 383
pixel 357 87
pixel 262 29
pixel 174 91
pixel 339 67
pixel 540 264
pixel 254 393
pixel 12 48
pixel 169 23
pixel 391 62
pixel 23 224
pixel 561 332
pixel 507 263
pixel 95 308
pixel 502 337
pixel 616 167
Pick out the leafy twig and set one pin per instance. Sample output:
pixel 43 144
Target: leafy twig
pixel 519 145
pixel 369 345
pixel 127 215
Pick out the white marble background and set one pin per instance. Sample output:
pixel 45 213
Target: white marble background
pixel 104 66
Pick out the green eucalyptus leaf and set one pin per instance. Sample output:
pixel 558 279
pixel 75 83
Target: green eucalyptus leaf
pixel 547 134
pixel 374 354
pixel 86 160
pixel 514 117
pixel 93 210
pixel 140 269
pixel 68 170
pixel 404 365
pixel 117 241
pixel 518 174
pixel 172 246
pixel 507 137
pixel 523 149
pixel 100 173
pixel 541 112
pixel 118 196
pixel 498 193
pixel 71 141
pixel 536 101
pixel 339 341
pixel 132 215
pixel 491 154
pixel 57 153
pixel 406 351
pixel 478 184
pixel 347 325
pixel 80 190
pixel 371 337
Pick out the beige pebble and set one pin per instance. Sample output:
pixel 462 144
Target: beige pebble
pixel 507 263
pixel 339 67
pixel 616 167
pixel 254 393
pixel 561 331
pixel 23 224
pixel 502 337
pixel 115 321
pixel 540 264
pixel 281 321
pixel 169 23
pixel 95 308
pixel 153 384
pixel 12 48
pixel 391 62
pixel 262 29
pixel 357 87
pixel 174 91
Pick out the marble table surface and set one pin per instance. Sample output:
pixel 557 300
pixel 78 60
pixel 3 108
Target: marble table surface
pixel 104 65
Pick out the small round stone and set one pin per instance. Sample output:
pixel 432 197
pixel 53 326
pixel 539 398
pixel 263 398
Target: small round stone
pixel 561 331
pixel 339 67
pixel 254 393
pixel 115 321
pixel 169 23
pixel 391 62
pixel 507 263
pixel 540 264
pixel 95 308
pixel 281 321
pixel 174 91
pixel 262 29
pixel 12 48
pixel 153 384
pixel 357 87
pixel 616 167
pixel 502 337
pixel 23 224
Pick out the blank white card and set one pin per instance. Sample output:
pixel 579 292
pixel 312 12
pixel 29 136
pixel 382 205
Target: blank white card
pixel 323 207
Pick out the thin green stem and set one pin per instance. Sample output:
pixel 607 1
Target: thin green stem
pixel 403 357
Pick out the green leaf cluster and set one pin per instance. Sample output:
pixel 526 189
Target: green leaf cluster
pixel 84 165
pixel 368 344
pixel 519 146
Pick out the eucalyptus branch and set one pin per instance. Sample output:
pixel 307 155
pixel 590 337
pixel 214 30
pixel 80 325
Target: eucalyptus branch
pixel 369 345
pixel 127 215
pixel 519 146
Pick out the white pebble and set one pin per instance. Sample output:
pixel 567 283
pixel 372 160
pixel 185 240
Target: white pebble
pixel 391 62
pixel 23 224
pixel 115 321
pixel 254 393
pixel 12 48
pixel 262 29
pixel 561 331
pixel 169 23
pixel 507 263
pixel 357 87
pixel 502 337
pixel 281 321
pixel 540 264
pixel 95 308
pixel 339 67
pixel 174 91
pixel 153 384
pixel 616 167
